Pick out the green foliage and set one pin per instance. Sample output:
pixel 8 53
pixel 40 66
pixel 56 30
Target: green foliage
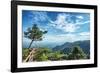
pixel 42 54
pixel 46 54
pixel 64 57
pixel 25 53
pixel 43 57
pixel 34 33
pixel 77 53
pixel 55 56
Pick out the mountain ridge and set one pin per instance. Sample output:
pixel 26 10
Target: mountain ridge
pixel 66 47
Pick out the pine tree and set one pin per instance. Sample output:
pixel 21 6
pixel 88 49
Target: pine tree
pixel 77 53
pixel 34 33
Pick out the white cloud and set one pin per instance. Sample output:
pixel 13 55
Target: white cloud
pixel 66 37
pixel 62 38
pixel 80 17
pixel 62 23
pixel 61 18
pixel 39 16
pixel 75 37
pixel 71 28
pixel 65 23
pixel 84 33
pixel 81 22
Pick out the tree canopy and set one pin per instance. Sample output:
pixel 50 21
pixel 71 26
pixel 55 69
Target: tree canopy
pixel 34 33
pixel 77 53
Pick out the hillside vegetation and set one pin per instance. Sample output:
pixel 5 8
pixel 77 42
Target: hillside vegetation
pixel 46 54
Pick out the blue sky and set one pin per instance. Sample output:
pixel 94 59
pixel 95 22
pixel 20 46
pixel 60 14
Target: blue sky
pixel 61 26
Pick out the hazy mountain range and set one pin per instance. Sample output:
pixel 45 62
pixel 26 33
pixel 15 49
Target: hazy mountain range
pixel 66 47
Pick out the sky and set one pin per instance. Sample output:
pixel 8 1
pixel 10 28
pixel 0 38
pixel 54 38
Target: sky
pixel 61 26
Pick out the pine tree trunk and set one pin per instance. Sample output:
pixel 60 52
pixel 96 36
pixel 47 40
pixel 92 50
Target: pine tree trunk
pixel 30 44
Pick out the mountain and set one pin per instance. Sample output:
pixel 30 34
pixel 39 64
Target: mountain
pixel 66 47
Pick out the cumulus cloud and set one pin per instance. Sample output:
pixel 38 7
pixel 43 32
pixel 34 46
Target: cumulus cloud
pixel 39 16
pixel 66 24
pixel 62 27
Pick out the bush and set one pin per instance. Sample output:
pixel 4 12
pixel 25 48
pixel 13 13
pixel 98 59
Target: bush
pixel 64 57
pixel 55 56
pixel 42 54
pixel 25 53
pixel 77 53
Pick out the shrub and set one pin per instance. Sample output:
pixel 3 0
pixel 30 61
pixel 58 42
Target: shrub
pixel 77 53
